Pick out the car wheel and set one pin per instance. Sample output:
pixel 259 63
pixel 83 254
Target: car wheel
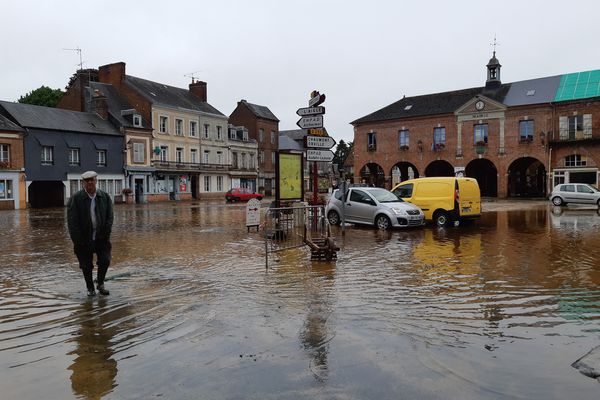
pixel 440 218
pixel 557 201
pixel 333 218
pixel 382 222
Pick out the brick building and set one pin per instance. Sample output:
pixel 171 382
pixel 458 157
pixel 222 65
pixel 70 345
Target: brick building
pixel 12 165
pixel 263 126
pixel 517 139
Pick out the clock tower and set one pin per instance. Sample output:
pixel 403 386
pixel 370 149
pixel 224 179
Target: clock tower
pixel 493 73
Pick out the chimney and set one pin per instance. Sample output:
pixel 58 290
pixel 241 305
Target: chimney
pixel 112 73
pixel 198 89
pixel 99 104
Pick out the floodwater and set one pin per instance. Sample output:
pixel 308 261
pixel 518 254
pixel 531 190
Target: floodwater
pixel 497 310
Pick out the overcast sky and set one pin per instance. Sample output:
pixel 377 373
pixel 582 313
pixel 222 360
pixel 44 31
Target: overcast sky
pixel 363 55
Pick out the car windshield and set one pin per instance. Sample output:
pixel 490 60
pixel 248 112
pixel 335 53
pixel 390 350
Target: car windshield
pixel 385 196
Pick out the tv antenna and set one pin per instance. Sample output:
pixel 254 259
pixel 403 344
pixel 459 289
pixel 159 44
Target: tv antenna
pixel 78 50
pixel 193 75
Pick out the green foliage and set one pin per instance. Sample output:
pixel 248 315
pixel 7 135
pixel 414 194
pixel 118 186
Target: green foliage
pixel 42 96
pixel 342 150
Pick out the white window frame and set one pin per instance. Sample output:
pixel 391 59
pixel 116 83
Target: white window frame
pixel 138 152
pixel 219 132
pixel 193 128
pixel 74 159
pixel 179 155
pixel 219 157
pixel 178 127
pixel 207 183
pixel 219 183
pixel 206 131
pixel 7 189
pixel 101 158
pixel 163 124
pixel 137 120
pixel 164 153
pixel 194 156
pixel 5 153
pixel 47 156
pixel 206 157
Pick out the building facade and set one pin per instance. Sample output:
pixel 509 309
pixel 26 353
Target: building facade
pixel 517 139
pixel 12 165
pixel 59 145
pixel 263 126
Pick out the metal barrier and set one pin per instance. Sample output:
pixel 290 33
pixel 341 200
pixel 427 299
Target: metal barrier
pixel 291 227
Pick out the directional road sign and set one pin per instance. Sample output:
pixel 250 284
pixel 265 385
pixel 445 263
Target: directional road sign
pixel 312 121
pixel 319 155
pixel 310 111
pixel 320 142
pixel 316 100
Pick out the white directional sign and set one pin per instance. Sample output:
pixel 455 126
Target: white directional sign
pixel 320 142
pixel 316 99
pixel 310 111
pixel 313 121
pixel 319 155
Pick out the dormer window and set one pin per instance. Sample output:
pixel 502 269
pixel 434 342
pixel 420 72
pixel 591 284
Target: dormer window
pixel 408 107
pixel 137 120
pixel 531 92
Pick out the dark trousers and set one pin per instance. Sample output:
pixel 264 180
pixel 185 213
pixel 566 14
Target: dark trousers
pixel 85 255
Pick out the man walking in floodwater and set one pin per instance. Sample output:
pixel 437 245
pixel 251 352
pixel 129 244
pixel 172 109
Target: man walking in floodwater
pixel 90 219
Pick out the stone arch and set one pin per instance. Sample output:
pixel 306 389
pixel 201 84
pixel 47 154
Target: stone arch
pixel 439 168
pixel 486 174
pixel 403 171
pixel 526 178
pixel 373 175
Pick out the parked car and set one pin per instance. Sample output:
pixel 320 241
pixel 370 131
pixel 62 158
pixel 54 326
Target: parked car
pixel 581 193
pixel 443 199
pixel 241 194
pixel 372 206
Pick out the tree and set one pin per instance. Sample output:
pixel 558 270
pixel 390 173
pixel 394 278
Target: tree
pixel 42 96
pixel 342 151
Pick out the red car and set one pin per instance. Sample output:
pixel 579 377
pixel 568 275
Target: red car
pixel 241 194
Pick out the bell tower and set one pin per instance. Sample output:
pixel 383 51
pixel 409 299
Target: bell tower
pixel 493 71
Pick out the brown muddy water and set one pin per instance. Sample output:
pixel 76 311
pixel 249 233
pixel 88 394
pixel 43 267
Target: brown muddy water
pixel 497 310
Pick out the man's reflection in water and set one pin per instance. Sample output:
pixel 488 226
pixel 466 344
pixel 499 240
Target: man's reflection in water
pixel 94 369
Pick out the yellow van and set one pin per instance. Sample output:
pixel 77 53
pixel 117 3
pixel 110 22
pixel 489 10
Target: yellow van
pixel 443 199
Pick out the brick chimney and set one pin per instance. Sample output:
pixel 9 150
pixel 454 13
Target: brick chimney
pixel 198 89
pixel 112 73
pixel 99 104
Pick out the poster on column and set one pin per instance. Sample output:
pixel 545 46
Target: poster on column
pixel 289 176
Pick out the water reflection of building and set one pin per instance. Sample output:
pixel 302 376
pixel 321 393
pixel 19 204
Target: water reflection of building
pixel 94 368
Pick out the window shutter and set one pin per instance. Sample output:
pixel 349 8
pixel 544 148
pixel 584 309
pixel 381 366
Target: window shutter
pixel 563 128
pixel 587 126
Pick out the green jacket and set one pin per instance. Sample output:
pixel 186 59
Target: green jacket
pixel 80 221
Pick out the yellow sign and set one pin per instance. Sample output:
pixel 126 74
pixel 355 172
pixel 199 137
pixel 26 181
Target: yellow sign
pixel 290 176
pixel 317 132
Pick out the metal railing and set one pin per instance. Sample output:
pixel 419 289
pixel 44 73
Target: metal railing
pixel 290 227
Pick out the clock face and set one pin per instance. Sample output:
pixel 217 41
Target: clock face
pixel 479 105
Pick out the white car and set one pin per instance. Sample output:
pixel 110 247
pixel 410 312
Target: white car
pixel 581 193
pixel 372 206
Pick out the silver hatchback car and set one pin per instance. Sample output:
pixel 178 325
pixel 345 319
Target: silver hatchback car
pixel 581 193
pixel 372 206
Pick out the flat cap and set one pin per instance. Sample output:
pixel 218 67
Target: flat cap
pixel 89 175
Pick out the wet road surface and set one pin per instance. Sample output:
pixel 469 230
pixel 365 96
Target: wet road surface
pixel 498 310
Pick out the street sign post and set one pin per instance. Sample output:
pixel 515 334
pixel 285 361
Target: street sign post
pixel 320 142
pixel 310 111
pixel 319 155
pixel 316 99
pixel 312 121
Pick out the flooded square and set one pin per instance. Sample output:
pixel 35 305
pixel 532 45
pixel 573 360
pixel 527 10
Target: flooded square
pixel 496 310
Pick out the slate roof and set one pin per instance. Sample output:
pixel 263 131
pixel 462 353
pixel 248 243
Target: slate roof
pixel 287 143
pixel 531 91
pixel 261 111
pixel 116 104
pixel 29 116
pixel 432 104
pixel 294 134
pixel 169 96
pixel 7 125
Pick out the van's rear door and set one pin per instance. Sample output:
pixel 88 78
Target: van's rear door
pixel 469 197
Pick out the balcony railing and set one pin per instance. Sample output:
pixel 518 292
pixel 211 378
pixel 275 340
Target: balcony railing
pixel 183 166
pixel 574 136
